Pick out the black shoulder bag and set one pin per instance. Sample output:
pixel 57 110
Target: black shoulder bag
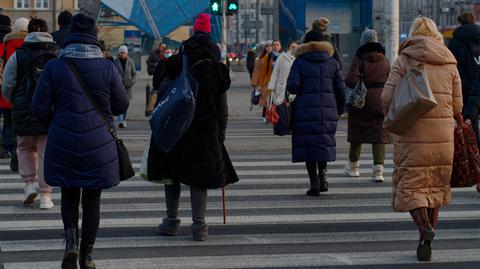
pixel 125 166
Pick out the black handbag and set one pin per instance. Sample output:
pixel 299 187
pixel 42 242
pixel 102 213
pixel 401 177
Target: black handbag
pixel 124 163
pixel 284 124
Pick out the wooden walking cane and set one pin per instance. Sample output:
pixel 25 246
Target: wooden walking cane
pixel 224 204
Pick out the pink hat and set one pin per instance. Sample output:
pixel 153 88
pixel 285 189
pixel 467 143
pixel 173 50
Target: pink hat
pixel 202 23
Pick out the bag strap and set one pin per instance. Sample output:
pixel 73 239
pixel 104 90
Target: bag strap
pixel 84 87
pixel 362 69
pixel 199 62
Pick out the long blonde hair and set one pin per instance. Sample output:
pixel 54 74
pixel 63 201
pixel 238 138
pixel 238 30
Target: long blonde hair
pixel 424 26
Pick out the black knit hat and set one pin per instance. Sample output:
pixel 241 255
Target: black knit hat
pixel 5 20
pixel 83 24
pixel 313 36
pixel 82 30
pixel 65 18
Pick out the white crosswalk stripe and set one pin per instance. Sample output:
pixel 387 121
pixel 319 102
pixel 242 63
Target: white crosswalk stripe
pixel 271 222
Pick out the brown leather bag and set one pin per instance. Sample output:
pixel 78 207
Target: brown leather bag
pixel 412 98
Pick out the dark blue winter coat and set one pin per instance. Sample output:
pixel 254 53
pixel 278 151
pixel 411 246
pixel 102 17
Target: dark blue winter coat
pixel 80 152
pixel 316 79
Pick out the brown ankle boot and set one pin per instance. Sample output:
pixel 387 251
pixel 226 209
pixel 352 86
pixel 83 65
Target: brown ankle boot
pixel 427 233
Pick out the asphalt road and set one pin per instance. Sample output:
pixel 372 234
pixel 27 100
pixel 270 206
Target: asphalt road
pixel 271 223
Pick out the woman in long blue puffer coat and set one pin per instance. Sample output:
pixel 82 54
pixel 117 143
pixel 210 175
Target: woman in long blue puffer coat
pixel 81 155
pixel 317 80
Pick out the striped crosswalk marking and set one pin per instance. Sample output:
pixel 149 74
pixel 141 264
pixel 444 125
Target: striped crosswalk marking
pixel 271 222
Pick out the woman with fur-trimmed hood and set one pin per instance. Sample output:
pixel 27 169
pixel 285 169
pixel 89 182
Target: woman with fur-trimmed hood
pixel 317 80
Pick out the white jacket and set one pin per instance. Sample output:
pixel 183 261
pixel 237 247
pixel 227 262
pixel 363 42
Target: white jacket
pixel 278 80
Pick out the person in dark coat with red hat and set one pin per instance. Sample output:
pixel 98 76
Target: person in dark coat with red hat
pixel 81 154
pixel 199 159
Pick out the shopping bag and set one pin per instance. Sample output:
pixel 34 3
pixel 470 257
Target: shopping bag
pixel 144 169
pixel 173 115
pixel 283 126
pixel 144 163
pixel 411 100
pixel 255 97
pixel 271 114
pixel 466 159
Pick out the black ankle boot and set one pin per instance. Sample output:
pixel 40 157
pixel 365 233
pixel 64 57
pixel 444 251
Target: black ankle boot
pixel 314 187
pixel 86 261
pixel 323 184
pixel 71 249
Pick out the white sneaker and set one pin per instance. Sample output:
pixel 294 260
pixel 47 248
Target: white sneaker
pixel 124 124
pixel 30 192
pixel 45 201
pixel 377 175
pixel 352 169
pixel 264 120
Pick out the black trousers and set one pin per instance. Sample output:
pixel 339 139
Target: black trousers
pixel 91 212
pixel 314 168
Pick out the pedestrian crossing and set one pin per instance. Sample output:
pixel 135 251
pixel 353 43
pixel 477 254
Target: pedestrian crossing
pixel 271 223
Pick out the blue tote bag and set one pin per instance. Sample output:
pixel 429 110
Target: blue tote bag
pixel 173 114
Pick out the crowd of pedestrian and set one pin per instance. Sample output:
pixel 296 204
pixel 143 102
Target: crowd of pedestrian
pixel 423 158
pixel 67 87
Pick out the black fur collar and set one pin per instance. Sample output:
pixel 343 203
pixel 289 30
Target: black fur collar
pixel 370 47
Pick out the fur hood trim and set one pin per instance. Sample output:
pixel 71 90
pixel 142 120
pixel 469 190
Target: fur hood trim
pixel 14 35
pixel 315 46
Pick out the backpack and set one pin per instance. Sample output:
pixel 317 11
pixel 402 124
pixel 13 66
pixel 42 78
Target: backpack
pixel 40 59
pixel 30 79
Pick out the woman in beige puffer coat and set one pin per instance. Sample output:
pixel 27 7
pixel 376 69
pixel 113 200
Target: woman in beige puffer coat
pixel 423 156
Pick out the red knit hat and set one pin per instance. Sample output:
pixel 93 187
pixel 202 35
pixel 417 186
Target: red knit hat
pixel 202 23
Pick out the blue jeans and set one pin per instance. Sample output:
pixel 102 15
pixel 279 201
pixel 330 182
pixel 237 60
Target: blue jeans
pixel 8 139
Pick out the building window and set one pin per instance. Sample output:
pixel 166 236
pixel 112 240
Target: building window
pixel 22 4
pixel 41 4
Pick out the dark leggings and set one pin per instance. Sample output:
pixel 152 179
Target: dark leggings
pixel 198 199
pixel 91 212
pixel 314 167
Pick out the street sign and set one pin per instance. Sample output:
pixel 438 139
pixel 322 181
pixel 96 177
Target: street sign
pixel 133 40
pixel 252 24
pixel 267 10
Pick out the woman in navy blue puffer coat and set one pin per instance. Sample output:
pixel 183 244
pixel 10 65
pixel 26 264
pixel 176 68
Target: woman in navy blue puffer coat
pixel 317 80
pixel 81 154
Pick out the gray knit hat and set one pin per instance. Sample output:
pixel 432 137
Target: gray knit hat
pixel 368 36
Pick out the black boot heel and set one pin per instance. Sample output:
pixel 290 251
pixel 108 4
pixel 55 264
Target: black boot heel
pixel 71 249
pixel 86 261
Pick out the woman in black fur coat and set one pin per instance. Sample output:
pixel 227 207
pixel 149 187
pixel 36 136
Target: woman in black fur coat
pixel 199 159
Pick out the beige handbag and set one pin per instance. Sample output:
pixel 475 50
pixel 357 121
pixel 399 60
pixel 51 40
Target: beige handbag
pixel 411 100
